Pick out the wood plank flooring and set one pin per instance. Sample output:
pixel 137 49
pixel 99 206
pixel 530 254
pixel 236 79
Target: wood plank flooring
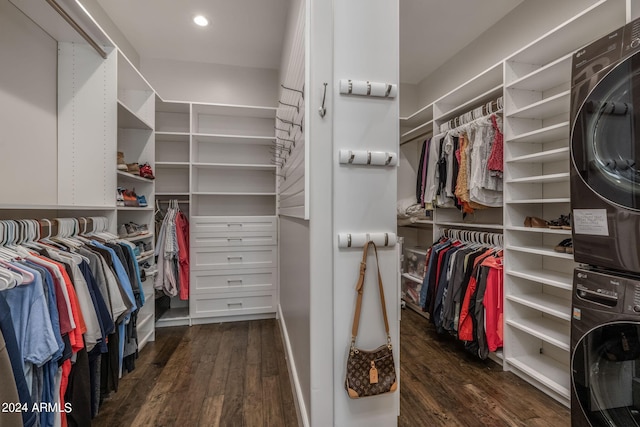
pixel 443 385
pixel 235 374
pixel 230 374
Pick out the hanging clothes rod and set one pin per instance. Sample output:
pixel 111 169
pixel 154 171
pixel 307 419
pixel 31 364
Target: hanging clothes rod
pixel 77 27
pixel 491 107
pixel 474 236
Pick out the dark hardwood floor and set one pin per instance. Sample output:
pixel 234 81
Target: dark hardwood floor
pixel 443 385
pixel 230 374
pixel 235 374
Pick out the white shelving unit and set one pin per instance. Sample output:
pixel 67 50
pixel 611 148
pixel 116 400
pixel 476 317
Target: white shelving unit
pixel 538 281
pixel 216 159
pixel 535 84
pixel 136 121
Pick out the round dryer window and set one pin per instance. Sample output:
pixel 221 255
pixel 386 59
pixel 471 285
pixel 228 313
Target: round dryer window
pixel 606 143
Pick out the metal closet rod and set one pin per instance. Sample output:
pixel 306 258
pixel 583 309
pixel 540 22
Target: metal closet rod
pixel 77 27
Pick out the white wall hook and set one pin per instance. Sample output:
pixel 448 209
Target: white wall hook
pixel 367 88
pixel 373 158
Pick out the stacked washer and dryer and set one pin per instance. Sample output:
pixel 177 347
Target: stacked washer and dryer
pixel 605 203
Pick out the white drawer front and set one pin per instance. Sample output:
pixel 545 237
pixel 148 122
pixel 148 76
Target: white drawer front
pixel 237 238
pixel 238 223
pixel 251 303
pixel 232 258
pixel 207 282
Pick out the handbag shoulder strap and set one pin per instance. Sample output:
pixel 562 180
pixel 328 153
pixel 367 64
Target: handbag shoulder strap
pixel 360 289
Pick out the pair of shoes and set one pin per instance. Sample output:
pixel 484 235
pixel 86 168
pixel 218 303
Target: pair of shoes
pixel 535 222
pixel 120 196
pixel 134 229
pixel 146 171
pixel 130 198
pixel 122 165
pixel 564 222
pixel 566 246
pixel 133 168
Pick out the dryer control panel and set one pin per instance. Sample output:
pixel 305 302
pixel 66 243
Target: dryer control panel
pixel 609 291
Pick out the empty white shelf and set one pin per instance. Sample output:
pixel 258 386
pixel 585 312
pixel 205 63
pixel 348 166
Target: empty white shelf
pixel 545 370
pixel 546 108
pixel 423 115
pixel 541 179
pixel 545 303
pixel 555 332
pixel 233 139
pixel 552 133
pixel 556 155
pixel 423 129
pixel 412 278
pixel 540 250
pixel 233 166
pixel 172 165
pixel 538 201
pixel 470 225
pixel 549 76
pixel 134 208
pixel 127 119
pixel 547 277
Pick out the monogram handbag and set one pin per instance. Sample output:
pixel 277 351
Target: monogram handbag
pixel 370 372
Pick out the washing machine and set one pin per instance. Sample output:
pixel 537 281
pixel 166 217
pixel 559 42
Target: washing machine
pixel 605 349
pixel 605 151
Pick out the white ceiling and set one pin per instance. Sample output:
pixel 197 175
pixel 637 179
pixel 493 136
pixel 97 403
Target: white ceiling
pixel 246 33
pixel 250 33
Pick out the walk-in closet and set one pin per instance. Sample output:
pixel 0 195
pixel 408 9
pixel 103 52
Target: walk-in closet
pixel 311 213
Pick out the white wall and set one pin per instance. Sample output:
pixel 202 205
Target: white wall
pixel 28 132
pixel 294 297
pixel 201 82
pixel 530 20
pixel 408 97
pixel 101 17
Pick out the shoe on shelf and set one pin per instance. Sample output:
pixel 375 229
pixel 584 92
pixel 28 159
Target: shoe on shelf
pixel 134 229
pixel 535 222
pixel 563 246
pixel 122 165
pixel 120 196
pixel 130 198
pixel 563 222
pixel 146 171
pixel 142 201
pixel 122 231
pixel 133 168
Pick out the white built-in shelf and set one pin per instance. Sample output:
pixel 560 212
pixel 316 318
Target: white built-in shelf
pixel 233 139
pixel 127 119
pixel 422 130
pixel 148 296
pixel 547 277
pixel 538 201
pixel 556 155
pixel 466 94
pixel 235 110
pixel 146 339
pixel 412 278
pixel 173 314
pixel 234 166
pixel 165 106
pixel 142 259
pixel 470 225
pixel 222 193
pixel 549 76
pixel 544 370
pixel 132 177
pixel 170 136
pixel 139 237
pixel 541 230
pixel 134 208
pixel 171 193
pixel 56 207
pixel 423 115
pixel 545 108
pixel 146 319
pixel 555 332
pixel 540 250
pixel 552 133
pixel 173 165
pixel 490 95
pixel 541 179
pixel 549 304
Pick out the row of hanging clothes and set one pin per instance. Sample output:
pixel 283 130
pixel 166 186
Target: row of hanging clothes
pixel 172 251
pixel 69 296
pixel 463 287
pixel 462 166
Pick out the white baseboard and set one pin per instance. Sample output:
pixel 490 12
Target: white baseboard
pixel 301 409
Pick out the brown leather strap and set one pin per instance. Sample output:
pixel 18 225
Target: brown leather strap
pixel 360 288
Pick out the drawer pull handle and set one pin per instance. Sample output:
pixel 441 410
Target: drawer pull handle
pixel 234 239
pixel 234 224
pixel 229 258
pixel 236 304
pixel 234 281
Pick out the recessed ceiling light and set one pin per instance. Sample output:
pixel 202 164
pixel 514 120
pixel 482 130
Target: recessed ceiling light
pixel 201 20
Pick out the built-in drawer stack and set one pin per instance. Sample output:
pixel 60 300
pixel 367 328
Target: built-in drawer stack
pixel 234 266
